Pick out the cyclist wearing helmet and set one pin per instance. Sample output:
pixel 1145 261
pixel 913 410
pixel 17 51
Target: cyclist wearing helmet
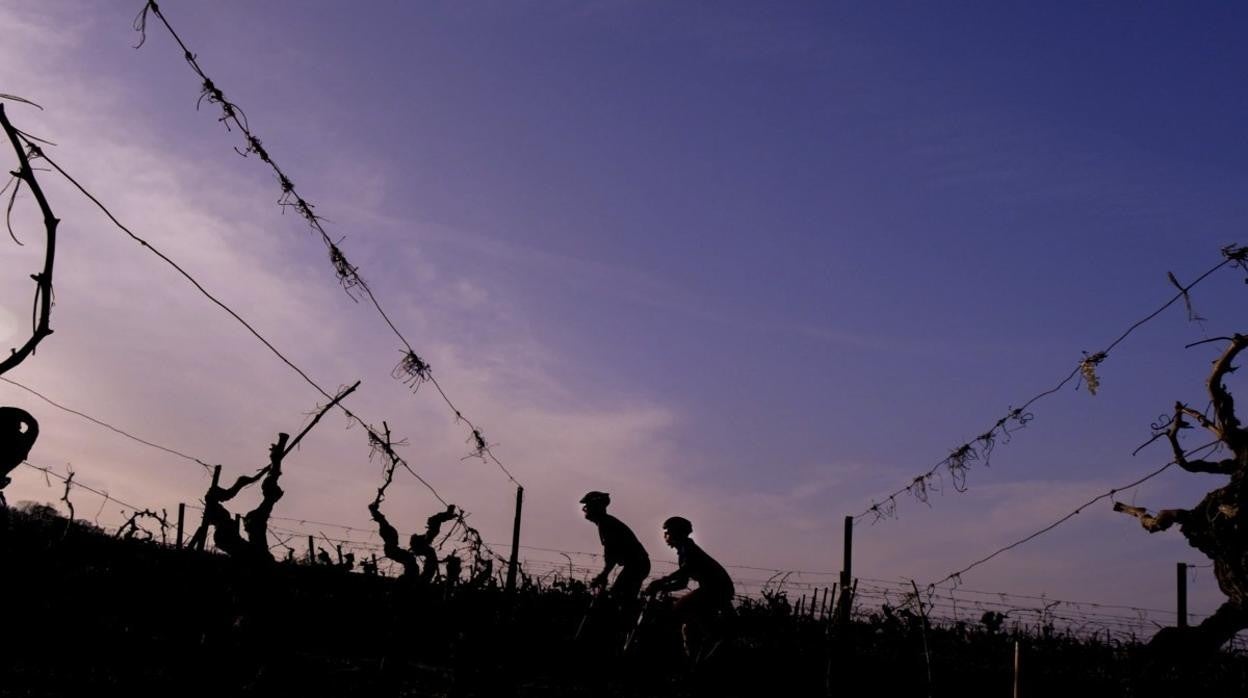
pixel 620 547
pixel 698 609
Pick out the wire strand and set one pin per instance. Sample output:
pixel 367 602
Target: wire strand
pixel 349 275
pixel 958 462
pixel 221 304
pixel 1106 495
pixel 106 425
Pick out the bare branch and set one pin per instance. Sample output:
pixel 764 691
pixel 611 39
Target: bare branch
pixel 1223 403
pixel 132 527
pixel 384 446
pixel 1177 424
pixel 43 280
pixel 1162 521
pixel 243 482
pixel 1208 341
pixel 1200 418
pixel 69 482
pixel 1222 467
pixel 15 98
pixel 339 398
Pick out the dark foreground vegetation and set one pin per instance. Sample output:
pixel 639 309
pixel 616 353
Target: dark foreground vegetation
pixel 87 613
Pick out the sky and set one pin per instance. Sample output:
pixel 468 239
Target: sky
pixel 754 264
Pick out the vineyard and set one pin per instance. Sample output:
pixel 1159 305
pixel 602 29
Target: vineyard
pixel 131 615
pixel 217 577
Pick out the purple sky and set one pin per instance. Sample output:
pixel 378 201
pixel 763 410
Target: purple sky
pixel 750 263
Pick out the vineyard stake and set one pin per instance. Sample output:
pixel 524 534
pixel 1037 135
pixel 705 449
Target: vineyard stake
pixel 1017 667
pixel 515 542
pixel 181 518
pixel 847 571
pixel 927 655
pixel 1181 579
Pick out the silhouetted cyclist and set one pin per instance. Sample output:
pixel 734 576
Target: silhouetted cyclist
pixel 621 548
pixel 699 610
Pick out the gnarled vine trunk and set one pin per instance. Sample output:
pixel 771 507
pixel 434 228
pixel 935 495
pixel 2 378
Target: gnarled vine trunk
pixel 1218 525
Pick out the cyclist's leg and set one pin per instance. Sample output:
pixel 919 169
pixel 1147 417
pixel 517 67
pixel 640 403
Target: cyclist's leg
pixel 691 610
pixel 627 587
pixel 719 624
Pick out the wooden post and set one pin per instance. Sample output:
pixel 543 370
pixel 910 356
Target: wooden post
pixel 1181 579
pixel 181 519
pixel 311 551
pixel 515 542
pixel 1017 666
pixel 798 613
pixel 339 549
pixel 927 654
pixel 847 571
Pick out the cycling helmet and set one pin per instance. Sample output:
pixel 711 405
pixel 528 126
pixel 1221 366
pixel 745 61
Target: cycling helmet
pixel 678 525
pixel 601 498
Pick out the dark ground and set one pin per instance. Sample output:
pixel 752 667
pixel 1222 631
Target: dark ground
pixel 85 614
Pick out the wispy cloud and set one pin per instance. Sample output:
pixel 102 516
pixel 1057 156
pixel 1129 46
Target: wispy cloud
pixel 136 345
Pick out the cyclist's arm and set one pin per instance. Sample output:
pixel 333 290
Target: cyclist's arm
pixel 606 571
pixel 672 582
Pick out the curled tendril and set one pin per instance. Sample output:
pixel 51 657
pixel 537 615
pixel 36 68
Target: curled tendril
pixel 1238 256
pixel 1020 420
pixel 376 445
pixel 1192 315
pixel 988 442
pixel 288 189
pixel 1161 428
pixel 209 92
pixel 886 509
pixel 1162 424
pixel 958 475
pixel 959 462
pixel 918 488
pixel 254 146
pixel 479 445
pixel 348 275
pixel 140 22
pixel 305 209
pixel 412 370
pixel 8 214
